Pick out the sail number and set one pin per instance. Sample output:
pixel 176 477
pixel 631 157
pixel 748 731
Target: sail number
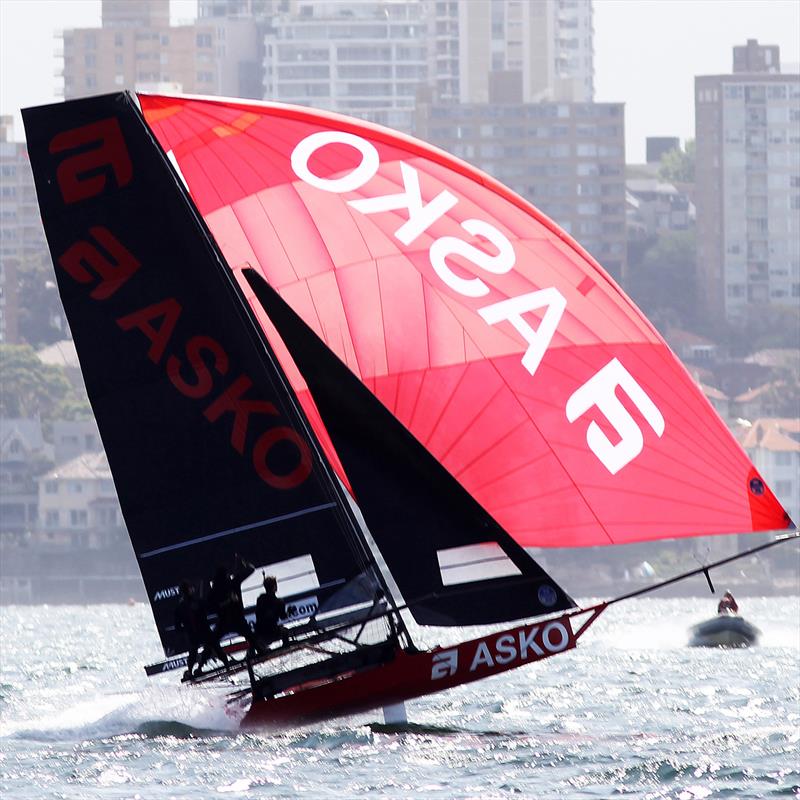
pixel 598 393
pixel 197 366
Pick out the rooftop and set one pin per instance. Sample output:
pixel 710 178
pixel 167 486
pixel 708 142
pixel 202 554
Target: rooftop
pixel 86 465
pixel 773 433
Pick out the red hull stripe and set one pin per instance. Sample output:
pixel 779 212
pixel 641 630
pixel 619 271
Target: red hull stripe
pixel 411 675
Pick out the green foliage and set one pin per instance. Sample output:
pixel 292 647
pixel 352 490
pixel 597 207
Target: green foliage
pixel 662 280
pixel 31 389
pixel 765 326
pixel 39 303
pixel 678 165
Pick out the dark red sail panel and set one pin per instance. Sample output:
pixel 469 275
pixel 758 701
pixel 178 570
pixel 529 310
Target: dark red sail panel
pixel 504 348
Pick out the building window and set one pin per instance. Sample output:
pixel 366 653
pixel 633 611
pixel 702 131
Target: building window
pixel 78 518
pixel 51 487
pixel 51 519
pixel 204 40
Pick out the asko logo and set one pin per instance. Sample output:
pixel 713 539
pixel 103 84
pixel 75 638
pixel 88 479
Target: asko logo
pixel 198 366
pixel 599 391
pixel 531 643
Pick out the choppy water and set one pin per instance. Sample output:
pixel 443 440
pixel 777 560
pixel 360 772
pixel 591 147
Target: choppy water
pixel 631 713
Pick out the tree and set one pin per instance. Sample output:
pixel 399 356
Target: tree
pixel 39 303
pixel 663 282
pixel 678 165
pixel 763 326
pixel 30 388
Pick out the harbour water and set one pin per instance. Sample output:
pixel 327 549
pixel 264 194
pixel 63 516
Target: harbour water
pixel 632 712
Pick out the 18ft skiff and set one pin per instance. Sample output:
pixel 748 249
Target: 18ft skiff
pixel 372 371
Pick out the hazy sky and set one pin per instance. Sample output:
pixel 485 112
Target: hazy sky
pixel 647 52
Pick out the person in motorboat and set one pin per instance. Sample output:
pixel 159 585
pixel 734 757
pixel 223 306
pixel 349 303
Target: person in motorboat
pixel 269 610
pixel 190 617
pixel 225 600
pixel 727 605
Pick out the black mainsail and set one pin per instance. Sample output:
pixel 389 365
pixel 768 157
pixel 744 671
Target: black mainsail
pixel 207 452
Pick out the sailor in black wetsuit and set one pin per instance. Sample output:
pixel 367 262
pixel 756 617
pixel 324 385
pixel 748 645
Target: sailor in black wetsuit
pixel 190 617
pixel 225 600
pixel 269 610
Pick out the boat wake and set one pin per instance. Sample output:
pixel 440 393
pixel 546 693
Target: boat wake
pixel 154 712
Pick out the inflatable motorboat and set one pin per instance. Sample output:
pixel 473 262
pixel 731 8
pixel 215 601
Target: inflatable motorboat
pixel 724 630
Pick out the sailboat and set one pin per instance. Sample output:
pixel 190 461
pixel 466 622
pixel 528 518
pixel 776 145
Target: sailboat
pixel 372 372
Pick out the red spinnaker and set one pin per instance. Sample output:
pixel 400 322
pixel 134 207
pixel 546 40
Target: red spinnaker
pixel 490 334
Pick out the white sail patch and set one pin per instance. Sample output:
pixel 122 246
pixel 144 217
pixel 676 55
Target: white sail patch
pixel 474 562
pixel 294 575
pixel 176 167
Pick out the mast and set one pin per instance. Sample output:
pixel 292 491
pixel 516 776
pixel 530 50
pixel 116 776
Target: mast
pixel 204 443
pixel 332 484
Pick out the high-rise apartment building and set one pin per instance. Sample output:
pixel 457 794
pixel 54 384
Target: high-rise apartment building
pixel 367 58
pixel 373 58
pixel 256 9
pixel 547 46
pixel 568 159
pixel 138 48
pixel 748 186
pixel 21 234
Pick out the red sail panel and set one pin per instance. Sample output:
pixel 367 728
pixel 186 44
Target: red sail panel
pixel 487 331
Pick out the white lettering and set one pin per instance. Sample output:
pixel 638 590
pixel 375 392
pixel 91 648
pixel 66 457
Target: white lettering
pixel 527 642
pixel 165 593
pixel 506 649
pixel 547 637
pixel 346 183
pixel 600 391
pixel 482 656
pixel 420 216
pixel 512 310
pixel 305 607
pixel 447 246
pixel 444 664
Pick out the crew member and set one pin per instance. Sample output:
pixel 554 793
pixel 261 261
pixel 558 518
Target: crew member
pixel 190 617
pixel 225 600
pixel 269 610
pixel 727 605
